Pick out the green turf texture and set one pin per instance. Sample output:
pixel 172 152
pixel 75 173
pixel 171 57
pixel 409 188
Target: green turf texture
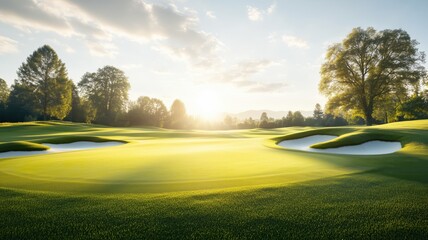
pixel 168 184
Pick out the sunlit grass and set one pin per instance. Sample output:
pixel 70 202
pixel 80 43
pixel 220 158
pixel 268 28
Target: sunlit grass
pixel 213 184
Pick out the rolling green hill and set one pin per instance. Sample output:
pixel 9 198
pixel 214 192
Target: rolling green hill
pixel 212 184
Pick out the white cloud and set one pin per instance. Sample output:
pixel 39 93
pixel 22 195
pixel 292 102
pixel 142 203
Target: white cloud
pixel 241 71
pixel 164 26
pixel 266 87
pixel 255 14
pixel 295 42
pixel 271 8
pixel 102 49
pixel 211 14
pixel 8 45
pixel 241 74
pixel 69 49
pixel 65 46
pixel 131 66
pixel 30 16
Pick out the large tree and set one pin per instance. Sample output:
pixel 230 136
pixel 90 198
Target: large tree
pixel 369 66
pixel 107 90
pixel 45 76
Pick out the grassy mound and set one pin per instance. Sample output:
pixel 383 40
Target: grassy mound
pixel 22 146
pixel 359 137
pixel 348 136
pixel 74 138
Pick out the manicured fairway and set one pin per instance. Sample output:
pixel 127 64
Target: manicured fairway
pixel 212 184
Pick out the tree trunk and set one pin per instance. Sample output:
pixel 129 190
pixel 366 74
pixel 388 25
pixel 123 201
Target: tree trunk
pixel 369 118
pixel 45 106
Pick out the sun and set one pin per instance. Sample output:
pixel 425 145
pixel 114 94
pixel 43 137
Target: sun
pixel 206 104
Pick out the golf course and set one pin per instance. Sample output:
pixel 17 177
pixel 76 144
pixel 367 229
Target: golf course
pixel 160 183
pixel 142 119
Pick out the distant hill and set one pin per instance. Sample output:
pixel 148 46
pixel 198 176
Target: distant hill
pixel 255 114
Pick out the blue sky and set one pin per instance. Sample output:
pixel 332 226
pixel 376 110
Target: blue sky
pixel 217 56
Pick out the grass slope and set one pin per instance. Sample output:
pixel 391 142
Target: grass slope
pixel 213 184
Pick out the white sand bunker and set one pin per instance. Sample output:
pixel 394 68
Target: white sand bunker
pixel 367 148
pixel 63 147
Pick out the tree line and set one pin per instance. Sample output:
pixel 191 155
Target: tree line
pixel 371 77
pixel 292 119
pixel 43 91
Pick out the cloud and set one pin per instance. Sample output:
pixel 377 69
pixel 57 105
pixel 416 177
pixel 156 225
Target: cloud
pixel 29 15
pixel 65 46
pixel 168 28
pixel 271 8
pixel 102 49
pixel 240 75
pixel 266 87
pixel 131 66
pixel 295 42
pixel 241 71
pixel 211 14
pixel 8 45
pixel 255 14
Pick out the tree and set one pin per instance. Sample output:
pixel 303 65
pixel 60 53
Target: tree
pixel 148 111
pixel 229 122
pixel 4 95
pixel 318 113
pixel 45 76
pixel 331 120
pixel 264 120
pixel 178 114
pixel 247 123
pixel 264 117
pixel 368 66
pixel 89 112
pixel 298 119
pixel 76 113
pixel 415 108
pixel 20 104
pixel 107 90
pixel 288 120
pixel 317 116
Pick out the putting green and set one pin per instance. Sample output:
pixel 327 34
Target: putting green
pixel 157 160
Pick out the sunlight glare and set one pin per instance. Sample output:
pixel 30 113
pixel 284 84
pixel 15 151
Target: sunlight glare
pixel 206 105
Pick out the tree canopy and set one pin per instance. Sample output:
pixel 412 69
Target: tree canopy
pixel 178 114
pixel 44 76
pixel 4 95
pixel 107 90
pixel 148 112
pixel 370 68
pixel 4 91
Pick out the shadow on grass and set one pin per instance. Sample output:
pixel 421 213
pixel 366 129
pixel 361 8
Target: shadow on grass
pixel 363 206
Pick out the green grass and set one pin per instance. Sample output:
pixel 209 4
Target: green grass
pixel 21 146
pixel 213 184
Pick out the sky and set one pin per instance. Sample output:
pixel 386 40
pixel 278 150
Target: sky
pixel 216 56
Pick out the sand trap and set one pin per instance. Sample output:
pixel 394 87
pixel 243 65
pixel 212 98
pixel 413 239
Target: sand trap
pixel 367 148
pixel 63 147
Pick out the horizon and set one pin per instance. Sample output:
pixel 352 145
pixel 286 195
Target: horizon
pixel 280 46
